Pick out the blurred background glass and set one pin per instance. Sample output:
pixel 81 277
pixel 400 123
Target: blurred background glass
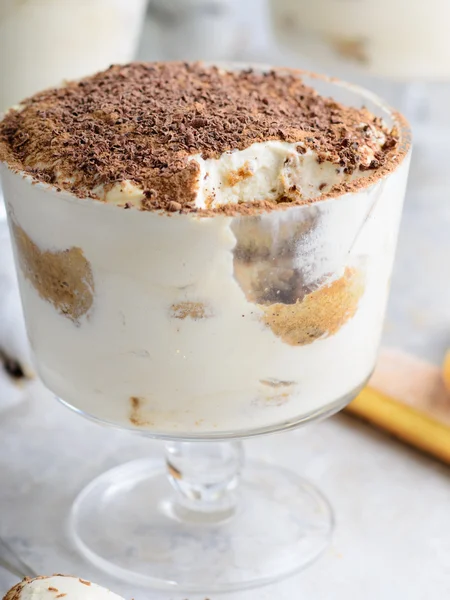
pixel 397 48
pixel 43 42
pixel 396 39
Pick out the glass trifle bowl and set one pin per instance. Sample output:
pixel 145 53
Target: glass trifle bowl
pixel 204 255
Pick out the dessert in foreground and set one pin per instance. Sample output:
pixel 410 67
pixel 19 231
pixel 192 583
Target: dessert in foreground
pixel 59 586
pixel 203 251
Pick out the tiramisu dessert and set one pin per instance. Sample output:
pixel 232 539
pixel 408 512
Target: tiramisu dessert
pixel 203 251
pixel 59 586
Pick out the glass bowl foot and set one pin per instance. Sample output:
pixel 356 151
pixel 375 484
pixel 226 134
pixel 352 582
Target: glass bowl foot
pixel 129 523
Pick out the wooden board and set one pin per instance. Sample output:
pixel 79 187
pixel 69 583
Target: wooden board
pixel 407 397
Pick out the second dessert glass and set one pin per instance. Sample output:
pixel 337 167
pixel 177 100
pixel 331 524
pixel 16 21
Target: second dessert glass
pixel 201 332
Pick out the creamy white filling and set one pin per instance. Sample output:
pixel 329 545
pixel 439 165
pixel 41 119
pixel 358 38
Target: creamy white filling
pixel 263 171
pixel 200 374
pixel 73 588
pixel 121 193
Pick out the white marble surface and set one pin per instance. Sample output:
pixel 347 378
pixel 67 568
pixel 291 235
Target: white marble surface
pixel 392 538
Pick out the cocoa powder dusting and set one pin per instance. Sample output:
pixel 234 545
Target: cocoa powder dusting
pixel 136 417
pixel 143 122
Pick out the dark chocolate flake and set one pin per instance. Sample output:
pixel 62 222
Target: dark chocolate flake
pixel 142 122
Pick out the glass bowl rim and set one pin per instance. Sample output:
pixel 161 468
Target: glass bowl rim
pixel 399 121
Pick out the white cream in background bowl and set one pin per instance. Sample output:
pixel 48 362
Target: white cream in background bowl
pixel 43 42
pixel 399 39
pixel 171 327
